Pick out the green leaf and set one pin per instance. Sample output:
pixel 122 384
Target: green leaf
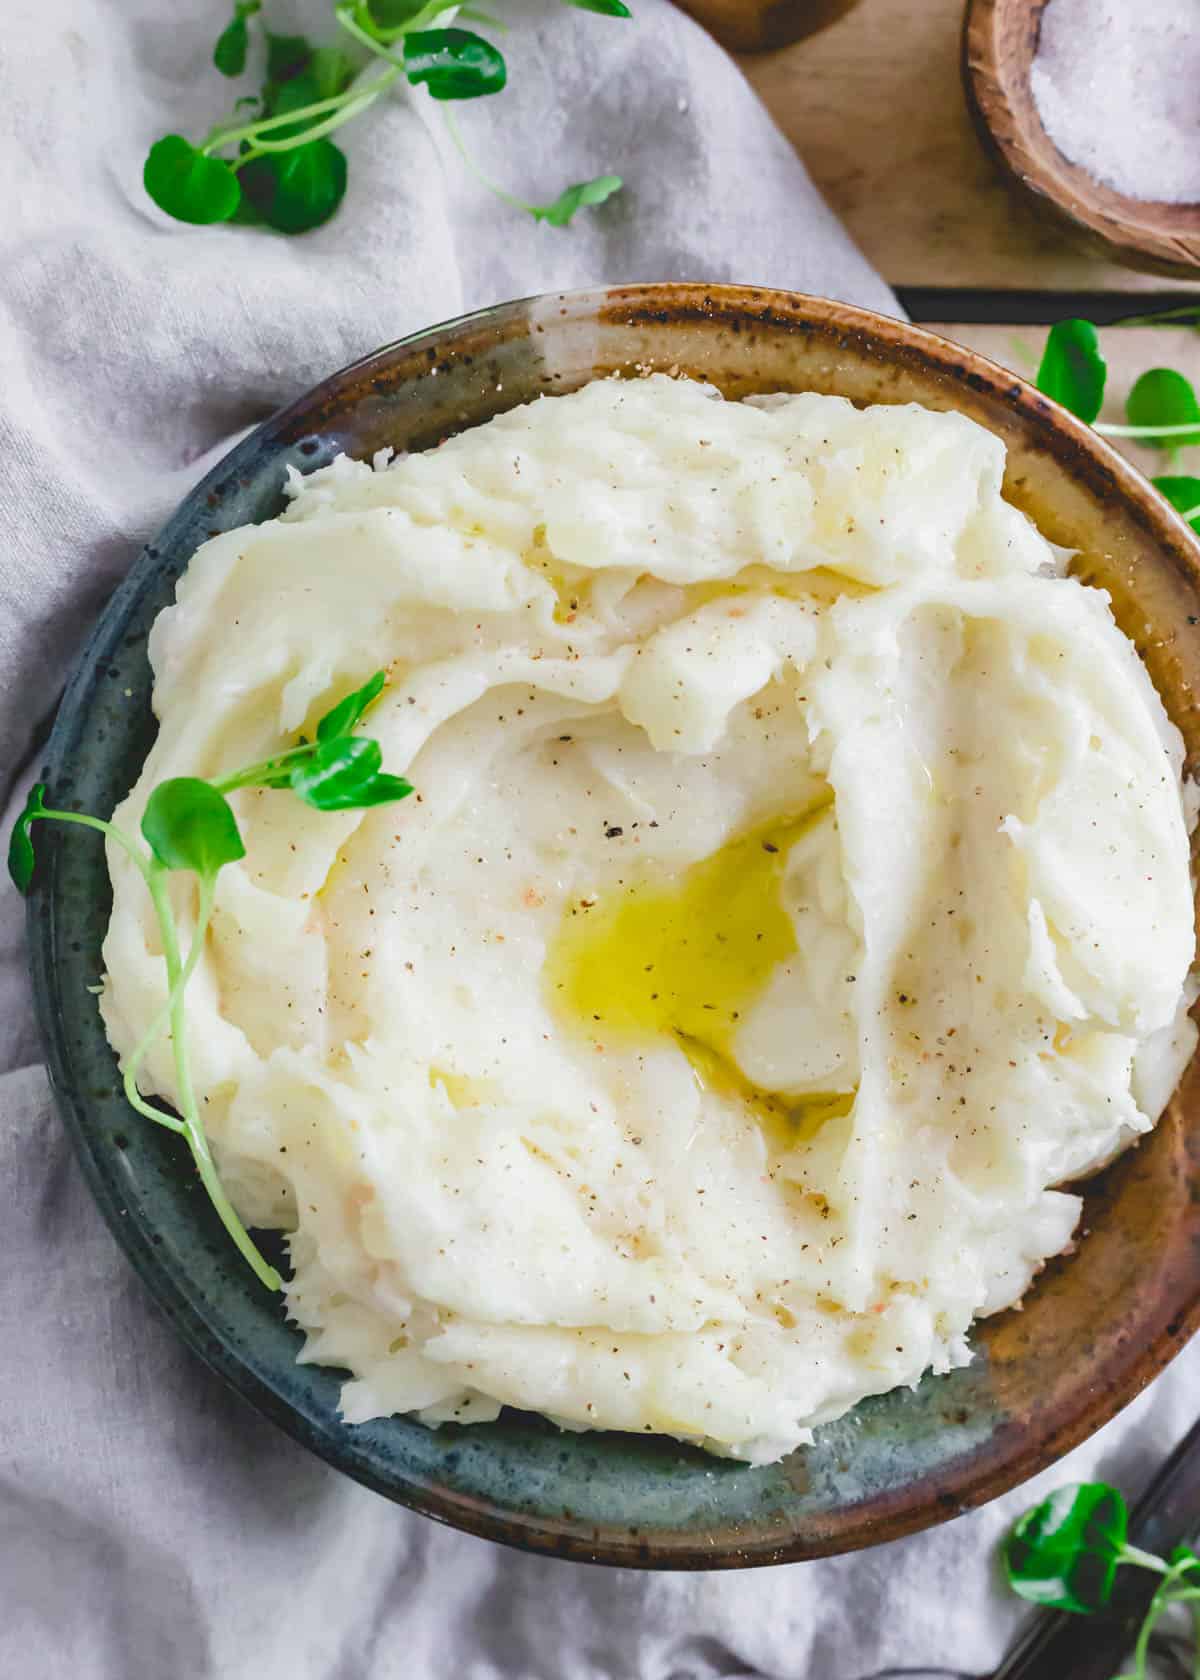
pixel 1183 493
pixel 453 63
pixel 1064 1552
pixel 229 54
pixel 246 215
pixel 331 70
pixel 384 789
pixel 333 777
pixel 189 825
pixel 343 774
pixel 575 198
pixel 388 14
pixel 21 861
pixel 1072 369
pixel 1162 397
pixel 188 185
pixel 607 8
pixel 287 56
pixel 342 718
pixel 297 190
pixel 329 73
pixel 294 96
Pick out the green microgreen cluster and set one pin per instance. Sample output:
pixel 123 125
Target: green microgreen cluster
pixel 1161 409
pixel 272 161
pixel 1064 1554
pixel 189 825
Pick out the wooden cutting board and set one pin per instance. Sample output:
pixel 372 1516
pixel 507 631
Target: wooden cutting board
pixel 874 105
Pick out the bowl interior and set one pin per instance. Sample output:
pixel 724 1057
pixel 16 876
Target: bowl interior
pixel 1094 1329
pixel 999 44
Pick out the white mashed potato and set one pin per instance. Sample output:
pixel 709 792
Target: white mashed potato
pixel 797 892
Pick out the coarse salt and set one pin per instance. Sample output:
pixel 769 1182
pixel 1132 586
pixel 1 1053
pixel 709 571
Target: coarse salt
pixel 1117 86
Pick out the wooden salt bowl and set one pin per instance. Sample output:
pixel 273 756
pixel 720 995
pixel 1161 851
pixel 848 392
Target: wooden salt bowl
pixel 1000 39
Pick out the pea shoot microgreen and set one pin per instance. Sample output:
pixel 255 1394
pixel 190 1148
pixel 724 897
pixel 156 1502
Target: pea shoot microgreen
pixel 1161 398
pixel 559 212
pixel 1072 370
pixel 454 64
pixel 229 54
pixel 1161 409
pixel 1185 315
pixel 273 162
pixel 1064 1554
pixel 189 825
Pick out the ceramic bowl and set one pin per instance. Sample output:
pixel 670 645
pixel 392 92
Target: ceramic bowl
pixel 1000 41
pixel 1095 1327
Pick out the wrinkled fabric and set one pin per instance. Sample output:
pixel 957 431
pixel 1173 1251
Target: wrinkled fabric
pixel 151 1524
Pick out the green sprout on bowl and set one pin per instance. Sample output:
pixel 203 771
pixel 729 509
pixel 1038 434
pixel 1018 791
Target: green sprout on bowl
pixel 189 826
pixel 272 162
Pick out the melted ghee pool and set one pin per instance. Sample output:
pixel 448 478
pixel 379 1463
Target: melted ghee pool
pixel 687 956
pixel 572 585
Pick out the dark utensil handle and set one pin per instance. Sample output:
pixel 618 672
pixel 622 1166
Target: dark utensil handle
pixel 1059 1646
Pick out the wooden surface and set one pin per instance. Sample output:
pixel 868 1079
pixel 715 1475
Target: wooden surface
pixel 764 23
pixel 874 104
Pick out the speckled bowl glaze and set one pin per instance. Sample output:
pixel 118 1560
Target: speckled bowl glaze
pixel 1096 1326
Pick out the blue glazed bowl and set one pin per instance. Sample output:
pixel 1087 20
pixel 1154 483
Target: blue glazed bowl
pixel 1094 1329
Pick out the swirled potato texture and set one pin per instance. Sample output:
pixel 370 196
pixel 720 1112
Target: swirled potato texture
pixel 796 896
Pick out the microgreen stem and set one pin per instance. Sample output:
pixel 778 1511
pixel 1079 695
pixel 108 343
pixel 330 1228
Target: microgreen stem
pixel 144 866
pixel 508 198
pixel 1147 431
pixel 374 44
pixel 110 830
pixel 193 1126
pixel 476 14
pixel 1188 312
pixel 349 110
pixel 433 10
pixel 150 1111
pixel 219 137
pixel 1145 1560
pixel 420 20
pixel 263 770
pixel 1142 1645
pixel 160 1022
pixel 1163 1595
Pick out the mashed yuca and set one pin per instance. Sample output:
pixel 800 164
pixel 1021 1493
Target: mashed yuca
pixel 796 893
